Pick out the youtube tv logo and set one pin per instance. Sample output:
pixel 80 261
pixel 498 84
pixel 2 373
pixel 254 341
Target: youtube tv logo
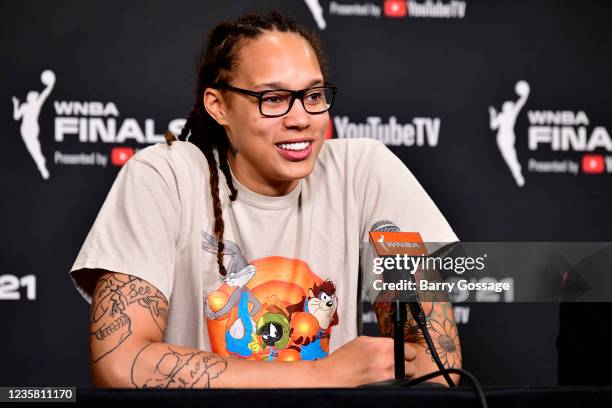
pixel 593 164
pixel 119 155
pixel 395 8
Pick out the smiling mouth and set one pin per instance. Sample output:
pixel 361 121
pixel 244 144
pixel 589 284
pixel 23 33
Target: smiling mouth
pixel 295 146
pixel 295 151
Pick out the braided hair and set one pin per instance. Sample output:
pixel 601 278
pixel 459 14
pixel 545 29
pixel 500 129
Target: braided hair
pixel 216 64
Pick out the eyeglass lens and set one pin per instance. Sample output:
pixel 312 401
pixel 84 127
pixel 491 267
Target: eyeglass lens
pixel 315 100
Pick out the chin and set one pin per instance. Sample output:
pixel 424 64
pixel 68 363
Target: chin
pixel 296 170
pixel 298 174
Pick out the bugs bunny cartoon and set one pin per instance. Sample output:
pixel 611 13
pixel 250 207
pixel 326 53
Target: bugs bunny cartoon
pixel 238 332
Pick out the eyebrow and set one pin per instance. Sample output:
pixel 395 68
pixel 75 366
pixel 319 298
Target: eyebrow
pixel 281 85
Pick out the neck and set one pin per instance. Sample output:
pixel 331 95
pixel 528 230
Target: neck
pixel 248 177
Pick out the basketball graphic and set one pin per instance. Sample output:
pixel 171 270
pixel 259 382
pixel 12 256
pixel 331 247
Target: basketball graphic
pixel 216 300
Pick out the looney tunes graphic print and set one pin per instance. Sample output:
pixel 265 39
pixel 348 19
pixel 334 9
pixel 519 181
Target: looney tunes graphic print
pixel 272 308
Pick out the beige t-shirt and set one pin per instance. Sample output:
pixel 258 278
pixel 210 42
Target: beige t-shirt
pixel 292 289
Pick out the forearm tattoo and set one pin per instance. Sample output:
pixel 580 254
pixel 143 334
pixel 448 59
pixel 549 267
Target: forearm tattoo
pixel 174 369
pixel 110 322
pixel 440 324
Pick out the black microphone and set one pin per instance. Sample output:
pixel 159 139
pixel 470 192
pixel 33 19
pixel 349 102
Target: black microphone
pixel 400 315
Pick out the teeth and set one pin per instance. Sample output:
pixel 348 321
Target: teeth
pixel 294 146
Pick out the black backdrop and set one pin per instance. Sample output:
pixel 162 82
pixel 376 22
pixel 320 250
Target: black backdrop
pixel 420 70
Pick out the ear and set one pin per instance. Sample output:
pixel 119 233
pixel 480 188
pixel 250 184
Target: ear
pixel 215 105
pixel 310 293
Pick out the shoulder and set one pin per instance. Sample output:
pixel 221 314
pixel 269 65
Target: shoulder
pixel 349 154
pixel 356 157
pixel 346 164
pixel 181 167
pixel 178 160
pixel 354 148
pixel 161 154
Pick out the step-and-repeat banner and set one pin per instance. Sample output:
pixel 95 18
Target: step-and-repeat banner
pixel 501 109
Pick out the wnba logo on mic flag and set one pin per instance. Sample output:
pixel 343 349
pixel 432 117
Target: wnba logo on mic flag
pixel 393 243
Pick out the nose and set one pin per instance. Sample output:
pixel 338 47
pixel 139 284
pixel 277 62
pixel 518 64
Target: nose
pixel 297 117
pixel 330 304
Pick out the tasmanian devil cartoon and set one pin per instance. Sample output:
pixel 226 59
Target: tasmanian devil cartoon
pixel 322 303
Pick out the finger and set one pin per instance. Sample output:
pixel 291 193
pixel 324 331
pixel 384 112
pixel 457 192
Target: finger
pixel 409 352
pixel 410 369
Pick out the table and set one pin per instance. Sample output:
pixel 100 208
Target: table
pixel 464 396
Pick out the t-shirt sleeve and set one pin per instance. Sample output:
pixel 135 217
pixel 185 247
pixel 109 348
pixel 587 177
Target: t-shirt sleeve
pixel 136 230
pixel 393 195
pixel 394 198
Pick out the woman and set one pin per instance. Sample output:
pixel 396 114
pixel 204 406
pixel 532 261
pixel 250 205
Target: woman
pixel 216 260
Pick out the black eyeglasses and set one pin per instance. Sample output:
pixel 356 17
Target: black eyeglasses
pixel 277 102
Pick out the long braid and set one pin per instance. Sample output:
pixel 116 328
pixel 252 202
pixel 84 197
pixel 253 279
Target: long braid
pixel 216 65
pixel 187 127
pixel 224 164
pixel 219 225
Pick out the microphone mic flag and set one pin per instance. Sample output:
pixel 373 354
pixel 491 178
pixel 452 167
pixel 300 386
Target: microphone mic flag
pixel 392 276
pixel 394 249
pixel 388 241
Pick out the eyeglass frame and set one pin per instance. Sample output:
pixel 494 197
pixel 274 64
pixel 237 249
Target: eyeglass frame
pixel 294 95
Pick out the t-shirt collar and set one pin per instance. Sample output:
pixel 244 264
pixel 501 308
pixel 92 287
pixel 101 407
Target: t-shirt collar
pixel 259 200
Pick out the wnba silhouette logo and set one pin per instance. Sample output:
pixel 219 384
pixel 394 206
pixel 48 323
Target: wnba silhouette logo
pixel 317 13
pixel 28 112
pixel 504 122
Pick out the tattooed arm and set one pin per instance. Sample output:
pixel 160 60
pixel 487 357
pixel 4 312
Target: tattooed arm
pixel 441 326
pixel 127 325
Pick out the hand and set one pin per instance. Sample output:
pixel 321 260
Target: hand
pixel 364 360
pixel 15 100
pixel 254 345
pixel 208 310
pixel 492 111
